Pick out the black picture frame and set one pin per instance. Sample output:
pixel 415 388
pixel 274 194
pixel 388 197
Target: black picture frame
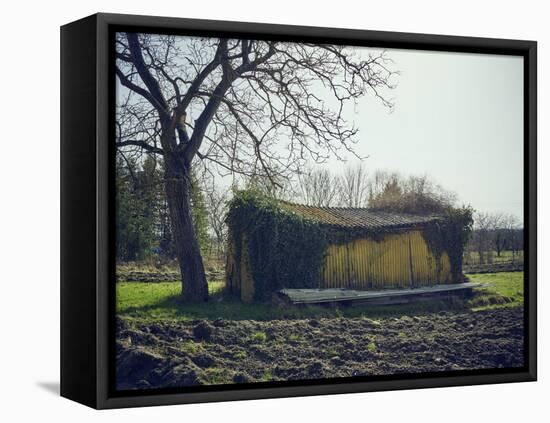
pixel 87 266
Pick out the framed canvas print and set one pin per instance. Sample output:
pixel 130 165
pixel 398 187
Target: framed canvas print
pixel 254 211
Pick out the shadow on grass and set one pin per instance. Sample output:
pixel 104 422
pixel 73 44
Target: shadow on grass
pixel 225 306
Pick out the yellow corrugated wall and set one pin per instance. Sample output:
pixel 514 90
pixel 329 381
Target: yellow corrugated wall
pixel 397 261
pixel 238 272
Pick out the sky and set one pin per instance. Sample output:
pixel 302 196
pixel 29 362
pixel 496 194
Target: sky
pixel 458 118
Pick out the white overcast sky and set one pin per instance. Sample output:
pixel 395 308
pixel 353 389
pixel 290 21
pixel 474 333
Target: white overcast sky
pixel 459 119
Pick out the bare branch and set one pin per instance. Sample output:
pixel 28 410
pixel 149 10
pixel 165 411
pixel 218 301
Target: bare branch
pixel 141 144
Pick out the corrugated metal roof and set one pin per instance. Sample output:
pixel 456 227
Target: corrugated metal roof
pixel 360 218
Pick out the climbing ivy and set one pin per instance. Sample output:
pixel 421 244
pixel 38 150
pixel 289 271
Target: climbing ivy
pixel 450 234
pixel 286 250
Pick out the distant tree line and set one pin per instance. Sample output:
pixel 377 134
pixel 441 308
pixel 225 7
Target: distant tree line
pixel 493 234
pixel 381 190
pixel 143 222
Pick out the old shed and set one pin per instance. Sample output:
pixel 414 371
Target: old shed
pixel 275 245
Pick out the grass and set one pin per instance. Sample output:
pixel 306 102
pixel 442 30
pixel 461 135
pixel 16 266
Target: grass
pixel 240 355
pixel 162 301
pixel 152 266
pixel 216 376
pixel 147 267
pixel 332 352
pixel 503 289
pixel 472 257
pixel 191 347
pixel 267 376
pixel 259 337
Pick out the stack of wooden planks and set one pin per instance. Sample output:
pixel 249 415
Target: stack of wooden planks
pixel 381 297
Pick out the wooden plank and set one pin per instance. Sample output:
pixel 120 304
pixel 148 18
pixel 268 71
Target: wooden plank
pixel 313 296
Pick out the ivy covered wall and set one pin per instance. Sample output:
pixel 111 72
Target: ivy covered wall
pixel 287 250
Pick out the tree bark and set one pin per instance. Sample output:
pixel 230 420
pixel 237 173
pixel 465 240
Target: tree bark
pixel 194 285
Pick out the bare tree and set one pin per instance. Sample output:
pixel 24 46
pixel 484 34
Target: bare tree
pixel 217 200
pixel 498 234
pixel 354 186
pixel 379 181
pixel 513 234
pixel 423 187
pixel 318 187
pixel 415 194
pixel 248 107
pixel 487 235
pixel 508 234
pixel 480 236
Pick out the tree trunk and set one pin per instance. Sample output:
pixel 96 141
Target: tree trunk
pixel 194 285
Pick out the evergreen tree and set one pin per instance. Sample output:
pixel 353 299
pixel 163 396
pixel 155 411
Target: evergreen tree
pixel 134 211
pixel 143 224
pixel 199 214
